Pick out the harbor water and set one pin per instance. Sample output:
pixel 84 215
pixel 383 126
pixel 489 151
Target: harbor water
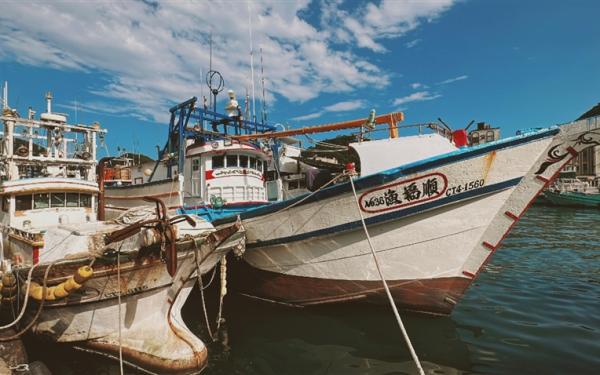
pixel 533 310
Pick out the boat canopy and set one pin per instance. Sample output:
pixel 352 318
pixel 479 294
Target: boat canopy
pixel 379 155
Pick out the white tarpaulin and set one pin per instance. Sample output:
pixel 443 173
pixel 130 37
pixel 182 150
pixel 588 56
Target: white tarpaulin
pixel 379 155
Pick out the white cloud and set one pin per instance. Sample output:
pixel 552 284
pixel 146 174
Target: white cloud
pixel 419 96
pixel 391 19
pixel 153 53
pixel 349 105
pixel 417 85
pixel 308 117
pixel 345 106
pixel 450 80
pixel 412 43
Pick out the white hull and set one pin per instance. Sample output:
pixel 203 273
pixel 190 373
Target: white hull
pixel 121 198
pixel 430 249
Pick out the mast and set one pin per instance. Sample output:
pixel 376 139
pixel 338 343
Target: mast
pixel 251 64
pixel 389 118
pixel 262 79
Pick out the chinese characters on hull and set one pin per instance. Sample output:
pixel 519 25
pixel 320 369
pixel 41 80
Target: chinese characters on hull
pixel 404 193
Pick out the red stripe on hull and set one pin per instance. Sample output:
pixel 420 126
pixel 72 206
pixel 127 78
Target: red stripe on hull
pixel 433 296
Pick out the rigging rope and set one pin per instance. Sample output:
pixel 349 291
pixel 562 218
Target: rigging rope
pixel 385 286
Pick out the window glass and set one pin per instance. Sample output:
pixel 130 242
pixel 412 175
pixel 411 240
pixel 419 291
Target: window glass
pixel 265 167
pixel 72 199
pixel 244 161
pixel 195 164
pixel 23 202
pixel 252 163
pixel 218 161
pixel 232 161
pixel 5 202
pixel 41 200
pixel 293 185
pixel 57 199
pixel 85 200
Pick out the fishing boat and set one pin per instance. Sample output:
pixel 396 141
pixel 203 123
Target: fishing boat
pixel 436 207
pixel 574 193
pixel 111 287
pixel 203 170
pixel 436 210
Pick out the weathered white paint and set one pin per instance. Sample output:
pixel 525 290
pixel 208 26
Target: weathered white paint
pixel 428 245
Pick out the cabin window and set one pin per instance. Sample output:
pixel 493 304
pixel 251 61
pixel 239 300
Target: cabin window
pixel 265 167
pixel 41 200
pixel 72 200
pixel 5 203
pixel 232 161
pixel 218 161
pixel 57 199
pixel 23 202
pixel 293 185
pixel 85 200
pixel 489 136
pixel 244 161
pixel 195 165
pixel 252 163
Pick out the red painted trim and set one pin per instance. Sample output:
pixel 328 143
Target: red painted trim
pixel 379 188
pixel 35 255
pixel 542 178
pixel 548 182
pixel 469 274
pixel 252 150
pixel 488 245
pixel 572 151
pixel 511 215
pixel 210 174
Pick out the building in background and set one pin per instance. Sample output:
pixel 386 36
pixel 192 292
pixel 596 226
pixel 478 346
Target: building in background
pixel 587 162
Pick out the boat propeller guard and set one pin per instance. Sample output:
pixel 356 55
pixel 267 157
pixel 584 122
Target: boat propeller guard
pixel 163 225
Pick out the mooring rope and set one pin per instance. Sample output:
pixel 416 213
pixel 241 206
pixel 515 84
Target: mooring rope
pixel 223 291
pixel 119 302
pixel 29 276
pixel 201 287
pixel 385 286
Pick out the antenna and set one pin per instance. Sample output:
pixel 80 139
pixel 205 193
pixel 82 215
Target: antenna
pixel 251 63
pixel 210 65
pixel 262 79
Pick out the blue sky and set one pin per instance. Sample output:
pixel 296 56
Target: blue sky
pixel 514 64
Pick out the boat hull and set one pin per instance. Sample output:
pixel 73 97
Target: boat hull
pixel 313 250
pixel 573 199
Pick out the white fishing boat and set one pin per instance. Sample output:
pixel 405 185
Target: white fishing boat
pixel 97 285
pixel 202 170
pixel 435 211
pixel 436 207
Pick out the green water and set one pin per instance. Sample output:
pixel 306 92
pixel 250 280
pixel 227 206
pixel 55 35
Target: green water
pixel 534 310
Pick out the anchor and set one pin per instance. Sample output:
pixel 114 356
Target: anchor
pixel 163 225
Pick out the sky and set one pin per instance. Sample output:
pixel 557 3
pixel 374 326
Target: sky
pixel 513 64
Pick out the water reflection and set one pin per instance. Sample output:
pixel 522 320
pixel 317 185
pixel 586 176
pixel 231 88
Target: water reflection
pixel 269 339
